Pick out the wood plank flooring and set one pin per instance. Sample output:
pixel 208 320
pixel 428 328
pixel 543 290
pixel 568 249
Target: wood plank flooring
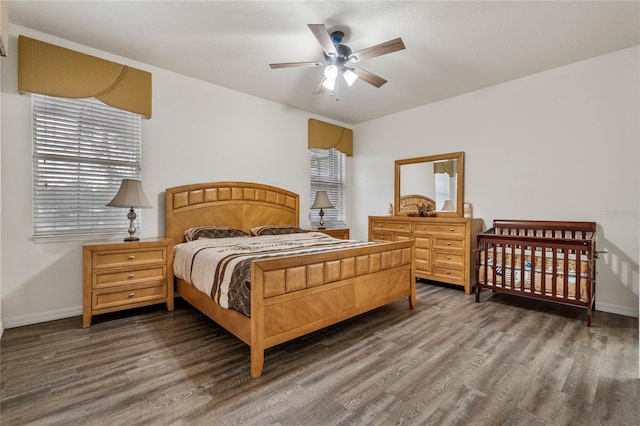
pixel 504 361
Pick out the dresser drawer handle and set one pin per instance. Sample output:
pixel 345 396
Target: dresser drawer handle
pixel 448 272
pixel 401 226
pixel 382 238
pixel 448 257
pixel 132 257
pixel 132 275
pixel 424 227
pixel 131 295
pixel 451 229
pixel 448 243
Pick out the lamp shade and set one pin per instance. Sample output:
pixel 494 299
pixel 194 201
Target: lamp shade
pixel 321 201
pixel 130 194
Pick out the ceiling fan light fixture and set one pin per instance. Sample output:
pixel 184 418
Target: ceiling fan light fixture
pixel 349 76
pixel 330 76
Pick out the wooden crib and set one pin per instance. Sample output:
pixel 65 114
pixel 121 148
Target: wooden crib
pixel 554 261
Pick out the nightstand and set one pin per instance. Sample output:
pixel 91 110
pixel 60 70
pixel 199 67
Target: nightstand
pixel 342 233
pixel 126 274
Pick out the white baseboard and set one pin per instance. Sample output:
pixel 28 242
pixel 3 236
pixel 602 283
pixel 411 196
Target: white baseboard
pixel 42 317
pixel 616 309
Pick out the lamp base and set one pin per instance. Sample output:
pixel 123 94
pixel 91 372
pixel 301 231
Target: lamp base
pixel 321 227
pixel 132 239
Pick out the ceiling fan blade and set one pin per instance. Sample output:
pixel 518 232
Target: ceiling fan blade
pixel 377 50
pixel 295 65
pixel 323 37
pixel 320 89
pixel 369 77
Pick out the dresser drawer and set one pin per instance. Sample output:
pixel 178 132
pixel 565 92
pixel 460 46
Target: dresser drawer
pixel 448 259
pixel 391 225
pixel 129 296
pixel 128 276
pixel 448 242
pixel 113 259
pixel 441 228
pixel 382 237
pixel 448 274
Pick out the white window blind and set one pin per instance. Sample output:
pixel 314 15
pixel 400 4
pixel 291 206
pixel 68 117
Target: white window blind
pixel 82 149
pixel 328 174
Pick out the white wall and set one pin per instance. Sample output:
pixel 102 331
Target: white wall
pixel 558 145
pixel 198 133
pixel 2 60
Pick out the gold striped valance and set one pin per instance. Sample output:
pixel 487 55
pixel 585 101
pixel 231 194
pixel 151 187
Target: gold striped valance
pixel 447 166
pixel 55 71
pixel 325 136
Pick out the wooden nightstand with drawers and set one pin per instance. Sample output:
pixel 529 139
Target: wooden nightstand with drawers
pixel 127 274
pixel 341 233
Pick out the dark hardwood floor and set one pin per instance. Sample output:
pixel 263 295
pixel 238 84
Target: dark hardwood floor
pixel 450 361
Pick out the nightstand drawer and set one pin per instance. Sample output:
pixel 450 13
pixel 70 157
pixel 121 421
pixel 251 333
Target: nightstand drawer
pixel 129 296
pixel 128 276
pixel 113 259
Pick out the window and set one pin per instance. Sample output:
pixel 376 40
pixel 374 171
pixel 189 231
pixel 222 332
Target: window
pixel 328 174
pixel 82 149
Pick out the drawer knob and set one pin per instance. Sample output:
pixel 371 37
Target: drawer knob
pixel 132 275
pixel 382 238
pixel 132 257
pixel 448 243
pixel 401 226
pixel 379 225
pixel 448 272
pixel 451 229
pixel 424 227
pixel 448 257
pixel 131 294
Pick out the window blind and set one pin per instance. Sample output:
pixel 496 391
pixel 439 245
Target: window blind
pixel 328 174
pixel 82 149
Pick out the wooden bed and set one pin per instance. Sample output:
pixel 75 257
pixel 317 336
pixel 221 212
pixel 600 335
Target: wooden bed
pixel 294 295
pixel 554 261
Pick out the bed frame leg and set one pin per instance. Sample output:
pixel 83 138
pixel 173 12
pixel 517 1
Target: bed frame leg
pixel 257 362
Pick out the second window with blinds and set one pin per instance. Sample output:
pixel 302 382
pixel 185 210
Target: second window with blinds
pixel 328 174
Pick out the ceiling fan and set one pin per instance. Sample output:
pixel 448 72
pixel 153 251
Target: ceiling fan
pixel 338 59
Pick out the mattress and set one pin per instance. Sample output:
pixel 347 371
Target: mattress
pixel 538 267
pixel 221 267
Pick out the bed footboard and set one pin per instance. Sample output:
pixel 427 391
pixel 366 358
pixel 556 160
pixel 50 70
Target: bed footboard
pixel 554 261
pixel 292 296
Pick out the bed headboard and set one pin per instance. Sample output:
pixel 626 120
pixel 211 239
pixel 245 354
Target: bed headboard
pixel 241 205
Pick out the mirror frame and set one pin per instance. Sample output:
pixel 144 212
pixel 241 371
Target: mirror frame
pixel 459 156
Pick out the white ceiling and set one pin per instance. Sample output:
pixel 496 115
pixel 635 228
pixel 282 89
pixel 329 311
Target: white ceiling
pixel 451 47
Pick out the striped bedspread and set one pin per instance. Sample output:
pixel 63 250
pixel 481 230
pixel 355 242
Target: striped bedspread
pixel 221 267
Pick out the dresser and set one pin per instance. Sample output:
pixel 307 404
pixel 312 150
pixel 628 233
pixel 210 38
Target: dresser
pixel 122 275
pixel 443 246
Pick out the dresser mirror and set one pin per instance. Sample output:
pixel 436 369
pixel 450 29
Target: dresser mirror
pixel 437 181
